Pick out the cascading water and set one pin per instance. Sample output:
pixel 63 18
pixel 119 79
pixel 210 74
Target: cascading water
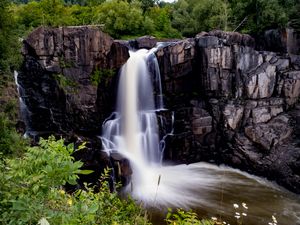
pixel 25 113
pixel 133 131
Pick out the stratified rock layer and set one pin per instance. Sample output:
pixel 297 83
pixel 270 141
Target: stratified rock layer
pixel 231 103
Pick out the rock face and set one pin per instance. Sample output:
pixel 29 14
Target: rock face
pixel 67 77
pixel 285 40
pixel 230 103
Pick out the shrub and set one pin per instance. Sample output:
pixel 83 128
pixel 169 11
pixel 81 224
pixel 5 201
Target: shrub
pixel 32 191
pixel 10 141
pixel 182 217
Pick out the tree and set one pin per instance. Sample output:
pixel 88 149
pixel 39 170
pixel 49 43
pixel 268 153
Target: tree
pixel 211 14
pixel 162 22
pixel 9 43
pixel 120 18
pixel 182 19
pixel 260 15
pixel 191 16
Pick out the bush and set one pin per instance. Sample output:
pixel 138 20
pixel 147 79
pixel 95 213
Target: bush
pixel 10 141
pixel 182 217
pixel 32 191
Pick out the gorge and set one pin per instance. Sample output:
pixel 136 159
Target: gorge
pixel 227 102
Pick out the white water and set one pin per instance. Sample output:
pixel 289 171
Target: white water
pixel 25 113
pixel 133 131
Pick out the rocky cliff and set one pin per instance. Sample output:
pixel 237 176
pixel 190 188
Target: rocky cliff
pixel 62 78
pixel 232 104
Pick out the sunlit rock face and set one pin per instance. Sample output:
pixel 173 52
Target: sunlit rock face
pixel 227 102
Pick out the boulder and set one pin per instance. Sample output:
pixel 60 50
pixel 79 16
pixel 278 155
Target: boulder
pixel 147 42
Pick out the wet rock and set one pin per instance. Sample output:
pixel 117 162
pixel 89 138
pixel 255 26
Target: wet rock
pixel 147 42
pixel 122 168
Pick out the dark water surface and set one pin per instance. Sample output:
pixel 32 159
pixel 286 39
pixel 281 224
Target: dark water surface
pixel 235 194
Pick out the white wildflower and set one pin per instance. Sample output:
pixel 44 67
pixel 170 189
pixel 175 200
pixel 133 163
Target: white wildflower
pixel 43 221
pixel 235 205
pixel 237 216
pixel 244 214
pixel 274 219
pixel 214 218
pixel 244 205
pixel 236 213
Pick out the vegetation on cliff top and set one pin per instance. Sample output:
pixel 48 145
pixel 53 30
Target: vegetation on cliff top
pixel 123 18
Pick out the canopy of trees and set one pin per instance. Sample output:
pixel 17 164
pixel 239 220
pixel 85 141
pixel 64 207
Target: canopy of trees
pixel 127 18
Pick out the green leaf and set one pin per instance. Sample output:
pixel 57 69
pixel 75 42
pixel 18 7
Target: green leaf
pixel 93 208
pixel 85 172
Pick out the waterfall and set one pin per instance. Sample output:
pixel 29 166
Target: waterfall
pixel 132 130
pixel 25 113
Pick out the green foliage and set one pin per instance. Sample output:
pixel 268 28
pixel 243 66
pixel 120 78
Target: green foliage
pixel 32 191
pixel 11 143
pixel 9 44
pixel 211 15
pixel 161 22
pixel 46 12
pixel 294 17
pixel 101 75
pixel 260 15
pixel 182 217
pixel 66 83
pixel 191 17
pixel 120 17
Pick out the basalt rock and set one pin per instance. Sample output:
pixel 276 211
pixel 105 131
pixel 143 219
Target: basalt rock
pixel 68 76
pixel 242 96
pixel 286 40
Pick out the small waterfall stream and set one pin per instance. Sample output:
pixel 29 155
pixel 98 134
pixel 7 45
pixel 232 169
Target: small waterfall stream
pixel 212 190
pixel 25 113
